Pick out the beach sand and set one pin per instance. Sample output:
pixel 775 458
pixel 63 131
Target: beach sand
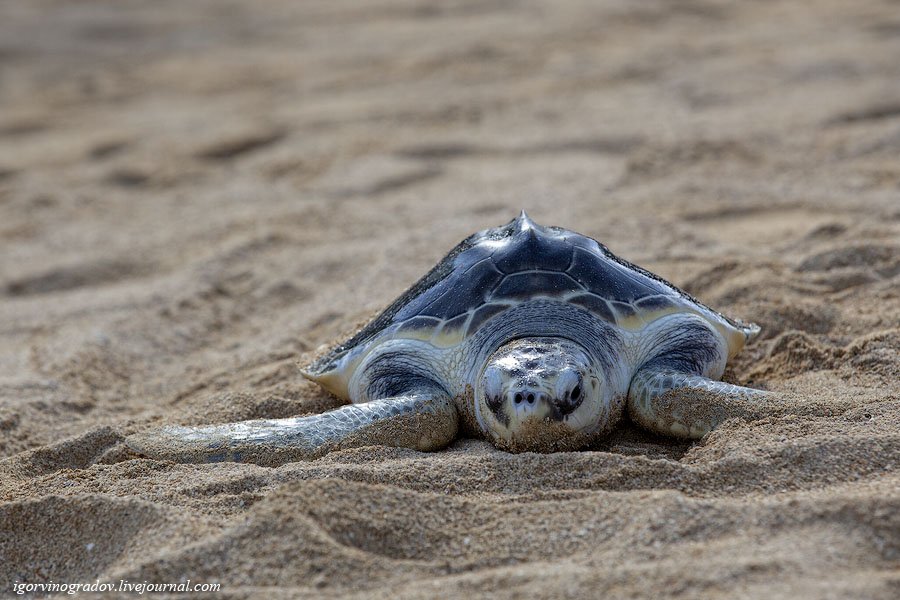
pixel 197 197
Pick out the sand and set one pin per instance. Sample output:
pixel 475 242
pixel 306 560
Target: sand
pixel 196 197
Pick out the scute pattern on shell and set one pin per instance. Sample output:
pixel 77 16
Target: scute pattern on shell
pixel 501 267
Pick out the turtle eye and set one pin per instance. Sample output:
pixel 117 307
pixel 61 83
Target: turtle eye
pixel 569 386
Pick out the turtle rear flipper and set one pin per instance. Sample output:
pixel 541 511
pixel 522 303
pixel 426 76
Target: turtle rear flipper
pixel 422 421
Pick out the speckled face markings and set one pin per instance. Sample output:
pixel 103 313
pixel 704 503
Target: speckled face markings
pixel 542 392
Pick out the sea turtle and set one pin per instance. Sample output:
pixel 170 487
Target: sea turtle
pixel 535 338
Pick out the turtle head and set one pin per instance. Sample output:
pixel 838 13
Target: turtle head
pixel 542 394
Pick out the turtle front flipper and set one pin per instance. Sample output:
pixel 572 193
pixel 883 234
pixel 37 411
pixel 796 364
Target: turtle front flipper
pixel 689 406
pixel 685 405
pixel 422 421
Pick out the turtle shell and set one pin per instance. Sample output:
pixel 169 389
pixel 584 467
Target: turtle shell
pixel 498 268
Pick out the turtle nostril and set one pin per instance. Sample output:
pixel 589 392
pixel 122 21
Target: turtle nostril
pixel 530 398
pixel 518 398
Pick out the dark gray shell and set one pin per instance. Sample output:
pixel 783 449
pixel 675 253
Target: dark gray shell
pixel 498 268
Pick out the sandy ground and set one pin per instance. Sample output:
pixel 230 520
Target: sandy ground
pixel 194 197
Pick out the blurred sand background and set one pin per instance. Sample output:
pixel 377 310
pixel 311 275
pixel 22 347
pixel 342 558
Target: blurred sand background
pixel 194 197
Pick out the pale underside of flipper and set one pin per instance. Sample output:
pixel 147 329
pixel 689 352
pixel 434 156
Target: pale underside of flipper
pixel 422 421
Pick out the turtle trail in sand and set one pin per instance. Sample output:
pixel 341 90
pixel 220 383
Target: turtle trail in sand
pixel 535 338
